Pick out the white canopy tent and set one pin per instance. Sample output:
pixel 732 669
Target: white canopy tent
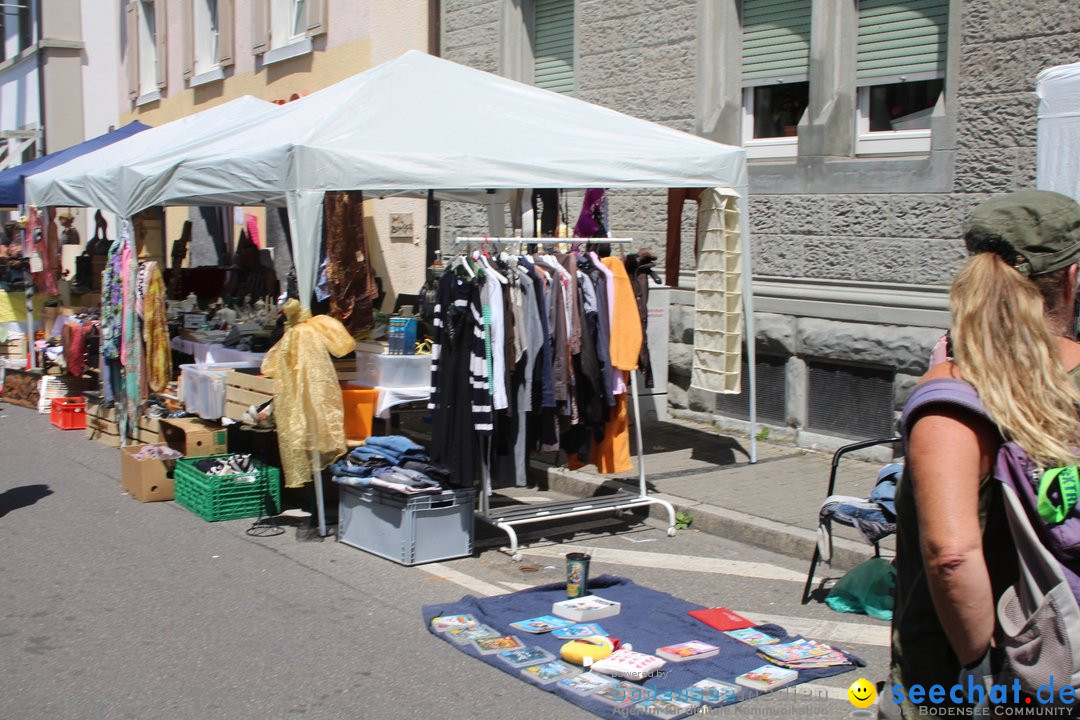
pixel 1058 163
pixel 417 123
pixel 99 179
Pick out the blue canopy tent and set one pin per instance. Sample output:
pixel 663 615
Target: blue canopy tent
pixel 11 180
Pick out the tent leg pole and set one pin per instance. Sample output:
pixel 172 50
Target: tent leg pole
pixel 316 477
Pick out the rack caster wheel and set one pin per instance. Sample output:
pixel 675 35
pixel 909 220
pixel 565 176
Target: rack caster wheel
pixel 516 557
pixel 671 532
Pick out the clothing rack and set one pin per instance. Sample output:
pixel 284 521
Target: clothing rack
pixel 507 517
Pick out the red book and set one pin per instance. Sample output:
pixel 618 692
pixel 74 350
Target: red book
pixel 721 618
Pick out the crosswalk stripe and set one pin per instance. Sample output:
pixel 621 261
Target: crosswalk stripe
pixel 828 630
pixel 468 582
pixel 639 558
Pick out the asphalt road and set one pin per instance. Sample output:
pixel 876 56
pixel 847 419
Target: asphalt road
pixel 111 609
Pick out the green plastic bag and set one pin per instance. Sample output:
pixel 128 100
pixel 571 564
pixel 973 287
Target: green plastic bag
pixel 866 589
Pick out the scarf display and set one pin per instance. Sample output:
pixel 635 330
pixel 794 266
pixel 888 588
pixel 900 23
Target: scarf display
pixel 350 278
pixel 307 405
pixel 156 330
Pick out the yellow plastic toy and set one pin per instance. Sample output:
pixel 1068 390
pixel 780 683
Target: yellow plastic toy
pixel 594 648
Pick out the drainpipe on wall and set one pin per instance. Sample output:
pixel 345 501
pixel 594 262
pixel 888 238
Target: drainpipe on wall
pixel 431 240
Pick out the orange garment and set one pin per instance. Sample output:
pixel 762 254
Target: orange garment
pixel 612 454
pixel 626 321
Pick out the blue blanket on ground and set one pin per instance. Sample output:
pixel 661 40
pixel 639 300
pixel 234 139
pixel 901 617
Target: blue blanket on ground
pixel 648 619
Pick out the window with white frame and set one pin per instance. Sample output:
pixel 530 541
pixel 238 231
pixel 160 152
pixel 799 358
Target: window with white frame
pixel 148 41
pixel 775 75
pixel 553 45
pixel 288 22
pixel 900 73
pixel 206 35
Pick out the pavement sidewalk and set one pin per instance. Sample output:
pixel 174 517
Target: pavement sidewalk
pixel 707 474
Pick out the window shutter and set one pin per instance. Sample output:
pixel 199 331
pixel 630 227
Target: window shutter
pixel 187 18
pixel 260 26
pixel 226 21
pixel 553 45
pixel 316 17
pixel 161 29
pixel 133 49
pixel 901 41
pixel 775 41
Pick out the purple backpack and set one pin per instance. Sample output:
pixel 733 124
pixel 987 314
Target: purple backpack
pixel 1039 616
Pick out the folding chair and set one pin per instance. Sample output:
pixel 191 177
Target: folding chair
pixel 832 484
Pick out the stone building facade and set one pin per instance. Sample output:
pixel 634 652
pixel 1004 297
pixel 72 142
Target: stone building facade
pixel 853 249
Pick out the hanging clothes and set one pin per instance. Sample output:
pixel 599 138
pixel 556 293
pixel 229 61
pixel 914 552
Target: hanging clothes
pixel 460 396
pixel 307 405
pixel 156 330
pixel 131 347
pixel 640 269
pixel 626 323
pixel 592 222
pixel 350 277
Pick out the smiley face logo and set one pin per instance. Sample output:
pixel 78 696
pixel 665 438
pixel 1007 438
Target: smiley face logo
pixel 862 693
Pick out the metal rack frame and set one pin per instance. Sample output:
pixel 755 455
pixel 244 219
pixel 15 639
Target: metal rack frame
pixel 507 518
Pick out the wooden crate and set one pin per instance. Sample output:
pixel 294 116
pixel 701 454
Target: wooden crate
pixel 101 436
pixel 14 347
pixel 243 390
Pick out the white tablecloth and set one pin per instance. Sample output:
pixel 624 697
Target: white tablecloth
pixel 209 354
pixel 389 397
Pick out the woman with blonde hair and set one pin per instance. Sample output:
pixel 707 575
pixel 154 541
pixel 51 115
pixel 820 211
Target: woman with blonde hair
pixel 1013 308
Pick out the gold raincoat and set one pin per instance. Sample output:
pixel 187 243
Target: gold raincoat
pixel 307 405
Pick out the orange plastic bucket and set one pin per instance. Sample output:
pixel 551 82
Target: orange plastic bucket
pixel 359 405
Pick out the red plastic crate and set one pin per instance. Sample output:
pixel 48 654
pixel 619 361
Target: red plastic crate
pixel 68 413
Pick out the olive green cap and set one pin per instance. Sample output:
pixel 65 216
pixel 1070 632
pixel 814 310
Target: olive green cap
pixel 1041 226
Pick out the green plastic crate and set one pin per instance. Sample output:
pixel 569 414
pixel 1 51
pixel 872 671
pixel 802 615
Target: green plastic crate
pixel 227 497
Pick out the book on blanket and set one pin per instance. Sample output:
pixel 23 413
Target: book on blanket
pixel 766 677
pixel 803 654
pixel 750 636
pixel 585 609
pixel 720 618
pixel 452 622
pixel 689 650
pixel 542 624
pixel 628 664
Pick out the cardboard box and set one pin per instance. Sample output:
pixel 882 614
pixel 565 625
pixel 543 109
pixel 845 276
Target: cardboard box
pixel 145 480
pixel 193 437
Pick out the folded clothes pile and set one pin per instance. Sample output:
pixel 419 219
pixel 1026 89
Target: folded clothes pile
pixel 236 464
pixel 157 452
pixel 392 463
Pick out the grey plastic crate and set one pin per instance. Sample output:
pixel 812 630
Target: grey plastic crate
pixel 407 529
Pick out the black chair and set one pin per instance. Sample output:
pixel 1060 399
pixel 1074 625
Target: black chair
pixel 832 484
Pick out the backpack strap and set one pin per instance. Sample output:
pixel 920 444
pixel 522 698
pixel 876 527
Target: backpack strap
pixel 946 391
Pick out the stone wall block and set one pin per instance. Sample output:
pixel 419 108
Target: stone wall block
pixel 903 385
pixel 681 321
pixel 680 359
pixel 700 400
pixel 463 16
pixel 936 262
pixel 998 122
pixel 906 349
pixel 763 217
pixel 983 171
pixel 775 334
pixel 988 21
pixel 831 258
pixel 779 255
pixel 469 37
pixel 886 261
